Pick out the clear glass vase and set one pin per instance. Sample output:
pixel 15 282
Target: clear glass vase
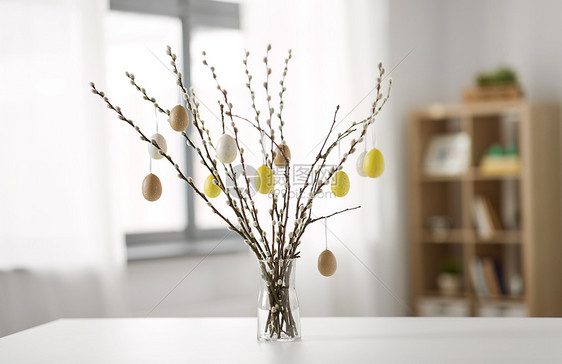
pixel 278 305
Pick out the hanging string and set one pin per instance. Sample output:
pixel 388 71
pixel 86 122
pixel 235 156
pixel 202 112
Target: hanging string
pixel 156 118
pixel 326 231
pixel 150 164
pixel 374 136
pixel 179 96
pixel 156 125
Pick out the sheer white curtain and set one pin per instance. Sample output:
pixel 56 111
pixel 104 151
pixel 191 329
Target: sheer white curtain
pixel 57 244
pixel 337 45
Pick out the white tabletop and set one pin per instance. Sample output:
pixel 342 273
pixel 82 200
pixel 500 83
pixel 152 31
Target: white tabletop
pixel 325 340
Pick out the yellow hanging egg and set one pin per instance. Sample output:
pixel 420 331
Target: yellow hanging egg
pixel 282 156
pixel 266 180
pixel 210 188
pixel 327 263
pixel 151 187
pixel 340 184
pixel 178 118
pixel 373 164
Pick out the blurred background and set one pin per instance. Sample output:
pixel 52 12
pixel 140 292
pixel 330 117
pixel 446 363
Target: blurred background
pixel 465 220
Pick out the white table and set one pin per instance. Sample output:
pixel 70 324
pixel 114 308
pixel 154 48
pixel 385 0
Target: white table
pixel 325 340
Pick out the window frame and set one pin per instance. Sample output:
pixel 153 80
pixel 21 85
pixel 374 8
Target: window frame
pixel 192 240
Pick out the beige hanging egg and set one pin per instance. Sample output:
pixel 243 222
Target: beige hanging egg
pixel 178 118
pixel 153 151
pixel 151 187
pixel 282 156
pixel 327 264
pixel 226 149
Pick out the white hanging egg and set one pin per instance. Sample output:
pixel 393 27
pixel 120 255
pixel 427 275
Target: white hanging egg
pixel 161 141
pixel 226 149
pixel 359 164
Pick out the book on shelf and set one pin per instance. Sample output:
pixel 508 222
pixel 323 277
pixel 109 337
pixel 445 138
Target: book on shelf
pixel 478 280
pixel 492 281
pixel 486 221
pixel 486 279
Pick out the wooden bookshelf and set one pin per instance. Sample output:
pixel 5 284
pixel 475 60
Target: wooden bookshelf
pixel 533 248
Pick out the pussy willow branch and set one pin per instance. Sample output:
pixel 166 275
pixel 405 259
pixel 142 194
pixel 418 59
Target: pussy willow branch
pixel 318 156
pixel 279 218
pixel 281 93
pixel 145 95
pixel 280 221
pixel 253 98
pixel 354 142
pixel 189 180
pixel 192 107
pixel 334 214
pixel 318 182
pixel 273 211
pixel 286 200
pixel 212 167
pixel 251 206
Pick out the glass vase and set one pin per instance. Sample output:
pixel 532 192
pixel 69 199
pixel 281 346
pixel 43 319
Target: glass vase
pixel 278 305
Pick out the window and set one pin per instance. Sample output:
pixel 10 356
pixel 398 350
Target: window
pixel 137 34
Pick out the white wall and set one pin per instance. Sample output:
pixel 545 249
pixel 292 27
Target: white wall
pixel 455 40
pixel 221 285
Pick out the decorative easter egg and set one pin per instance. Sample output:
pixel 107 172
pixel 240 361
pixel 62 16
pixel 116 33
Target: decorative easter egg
pixel 153 151
pixel 178 118
pixel 327 263
pixel 226 149
pixel 266 180
pixel 373 164
pixel 210 188
pixel 359 164
pixel 340 184
pixel 282 156
pixel 151 187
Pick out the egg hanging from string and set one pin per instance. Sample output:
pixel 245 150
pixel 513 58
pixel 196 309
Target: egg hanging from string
pixel 153 151
pixel 265 180
pixel 151 187
pixel 373 164
pixel 211 189
pixel 359 164
pixel 327 264
pixel 178 118
pixel 340 184
pixel 254 177
pixel 282 156
pixel 226 149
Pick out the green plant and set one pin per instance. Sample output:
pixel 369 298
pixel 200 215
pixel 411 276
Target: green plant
pixel 501 76
pixel 451 267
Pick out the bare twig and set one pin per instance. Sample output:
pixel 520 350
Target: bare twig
pixel 334 214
